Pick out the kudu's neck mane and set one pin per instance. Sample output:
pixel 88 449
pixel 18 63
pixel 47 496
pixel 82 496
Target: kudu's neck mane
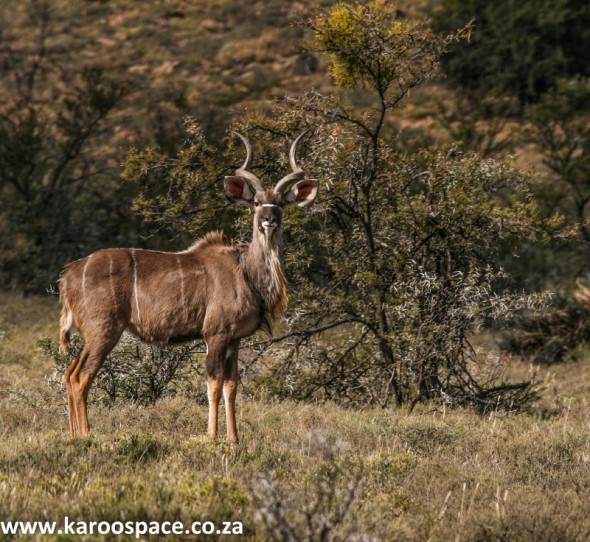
pixel 262 264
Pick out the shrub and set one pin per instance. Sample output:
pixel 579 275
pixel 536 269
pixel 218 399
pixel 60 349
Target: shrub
pixel 399 271
pixel 135 371
pixel 555 334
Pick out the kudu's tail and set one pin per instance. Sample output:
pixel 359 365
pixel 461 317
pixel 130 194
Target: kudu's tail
pixel 65 323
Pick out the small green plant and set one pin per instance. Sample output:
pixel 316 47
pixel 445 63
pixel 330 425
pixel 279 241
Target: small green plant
pixel 140 448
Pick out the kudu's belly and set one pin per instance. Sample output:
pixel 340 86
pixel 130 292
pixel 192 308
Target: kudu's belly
pixel 174 327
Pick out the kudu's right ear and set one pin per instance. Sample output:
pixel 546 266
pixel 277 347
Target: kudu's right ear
pixel 237 191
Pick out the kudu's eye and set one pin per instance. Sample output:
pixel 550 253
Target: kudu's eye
pixel 256 204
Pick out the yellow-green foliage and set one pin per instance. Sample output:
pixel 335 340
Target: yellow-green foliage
pixel 368 42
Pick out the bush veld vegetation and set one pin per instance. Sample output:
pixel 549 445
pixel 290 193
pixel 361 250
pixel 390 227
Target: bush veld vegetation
pixel 393 323
pixel 414 256
pixel 560 334
pixel 52 118
pixel 137 373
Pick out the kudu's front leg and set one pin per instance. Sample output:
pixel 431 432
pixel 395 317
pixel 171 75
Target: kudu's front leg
pixel 230 389
pixel 215 365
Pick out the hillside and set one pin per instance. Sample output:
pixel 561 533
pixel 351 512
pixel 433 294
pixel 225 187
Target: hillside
pixel 199 58
pixel 208 59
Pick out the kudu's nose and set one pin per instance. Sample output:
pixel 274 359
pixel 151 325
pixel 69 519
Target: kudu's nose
pixel 269 222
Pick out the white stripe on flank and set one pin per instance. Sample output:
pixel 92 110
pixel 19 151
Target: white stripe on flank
pixel 181 279
pixel 135 285
pixel 111 278
pixel 84 279
pixel 269 205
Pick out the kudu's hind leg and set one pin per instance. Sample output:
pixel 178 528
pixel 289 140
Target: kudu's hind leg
pixel 81 377
pixel 230 389
pixel 72 417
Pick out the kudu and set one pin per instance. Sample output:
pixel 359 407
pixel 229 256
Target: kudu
pixel 215 290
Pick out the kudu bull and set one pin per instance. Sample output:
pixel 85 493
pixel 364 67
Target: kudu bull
pixel 215 290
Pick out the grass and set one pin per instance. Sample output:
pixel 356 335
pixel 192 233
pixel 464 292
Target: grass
pixel 22 322
pixel 301 469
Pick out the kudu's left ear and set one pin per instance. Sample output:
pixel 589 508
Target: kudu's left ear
pixel 237 191
pixel 301 194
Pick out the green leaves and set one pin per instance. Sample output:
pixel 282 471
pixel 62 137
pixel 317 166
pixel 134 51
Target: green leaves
pixel 181 195
pixel 369 44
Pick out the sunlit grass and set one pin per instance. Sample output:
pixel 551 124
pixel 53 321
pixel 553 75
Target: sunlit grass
pixel 433 474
